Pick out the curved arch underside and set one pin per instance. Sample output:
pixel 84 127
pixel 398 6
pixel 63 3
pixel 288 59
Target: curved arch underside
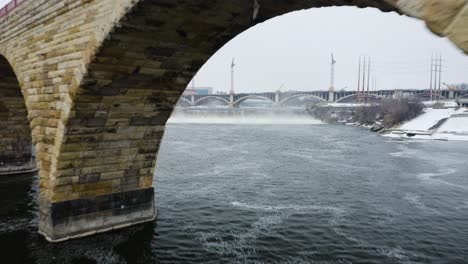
pixel 99 115
pixel 355 98
pixel 253 97
pixel 15 134
pixel 320 99
pixel 208 99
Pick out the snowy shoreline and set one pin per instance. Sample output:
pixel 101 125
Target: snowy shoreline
pixel 448 123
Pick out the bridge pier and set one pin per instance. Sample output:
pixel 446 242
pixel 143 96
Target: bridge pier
pixel 100 79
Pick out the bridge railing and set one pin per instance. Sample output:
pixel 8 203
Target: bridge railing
pixel 10 7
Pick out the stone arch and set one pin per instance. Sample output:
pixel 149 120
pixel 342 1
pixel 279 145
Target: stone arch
pixel 354 98
pixel 320 99
pixel 207 98
pixel 15 132
pixel 184 101
pixel 243 99
pixel 116 77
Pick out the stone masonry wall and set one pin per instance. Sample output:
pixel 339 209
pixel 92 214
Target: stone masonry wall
pixel 101 77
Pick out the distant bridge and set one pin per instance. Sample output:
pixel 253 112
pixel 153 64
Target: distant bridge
pixel 283 98
pixel 92 83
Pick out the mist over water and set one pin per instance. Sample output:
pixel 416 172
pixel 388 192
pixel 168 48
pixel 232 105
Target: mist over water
pixel 274 194
pixel 243 116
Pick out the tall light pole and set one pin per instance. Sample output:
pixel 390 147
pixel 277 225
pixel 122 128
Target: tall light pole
pixel 364 80
pixel 332 74
pixel 436 65
pixel 440 74
pixel 359 80
pixel 232 75
pixel 368 80
pixel 432 72
pixel 331 90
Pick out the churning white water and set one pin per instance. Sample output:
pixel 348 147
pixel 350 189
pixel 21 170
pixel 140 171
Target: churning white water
pixel 250 116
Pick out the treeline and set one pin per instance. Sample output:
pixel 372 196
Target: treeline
pixel 389 113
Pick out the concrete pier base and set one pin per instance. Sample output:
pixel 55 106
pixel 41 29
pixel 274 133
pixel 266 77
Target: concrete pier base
pixel 61 221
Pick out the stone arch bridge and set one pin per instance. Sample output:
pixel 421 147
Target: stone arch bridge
pixel 91 84
pixel 282 98
pixel 234 100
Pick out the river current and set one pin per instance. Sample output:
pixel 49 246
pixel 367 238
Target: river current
pixel 286 193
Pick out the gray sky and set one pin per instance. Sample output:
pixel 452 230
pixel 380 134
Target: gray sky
pixel 294 50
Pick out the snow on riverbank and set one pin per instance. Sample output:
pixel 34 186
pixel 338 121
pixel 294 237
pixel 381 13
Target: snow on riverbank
pixel 427 120
pixel 435 124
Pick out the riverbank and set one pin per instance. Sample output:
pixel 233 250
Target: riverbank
pixel 434 121
pixel 435 124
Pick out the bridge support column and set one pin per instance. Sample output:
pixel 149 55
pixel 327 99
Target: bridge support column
pixel 103 178
pixel 398 94
pixel 451 95
pixel 99 94
pixel 231 100
pixel 331 96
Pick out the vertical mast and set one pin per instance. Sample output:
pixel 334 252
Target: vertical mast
pixel 232 75
pixel 440 74
pixel 364 79
pixel 432 72
pixel 359 80
pixel 368 79
pixel 332 74
pixel 375 85
pixel 434 87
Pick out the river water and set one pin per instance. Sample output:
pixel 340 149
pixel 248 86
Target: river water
pixel 284 193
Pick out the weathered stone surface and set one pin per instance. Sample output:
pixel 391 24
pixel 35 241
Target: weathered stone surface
pixel 414 8
pixel 85 216
pixel 437 14
pixel 95 81
pixel 458 30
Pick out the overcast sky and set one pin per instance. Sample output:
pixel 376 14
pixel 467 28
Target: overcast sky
pixel 295 49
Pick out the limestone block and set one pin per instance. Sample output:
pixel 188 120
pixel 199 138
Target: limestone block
pixel 458 29
pixel 437 14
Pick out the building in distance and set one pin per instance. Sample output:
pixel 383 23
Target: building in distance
pixel 198 91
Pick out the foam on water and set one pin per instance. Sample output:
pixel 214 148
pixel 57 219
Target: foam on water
pixel 240 246
pixel 322 161
pixel 405 152
pixel 416 201
pixel 298 208
pixel 240 119
pixel 433 177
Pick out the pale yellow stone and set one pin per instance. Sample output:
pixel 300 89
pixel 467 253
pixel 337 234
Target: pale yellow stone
pixel 458 29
